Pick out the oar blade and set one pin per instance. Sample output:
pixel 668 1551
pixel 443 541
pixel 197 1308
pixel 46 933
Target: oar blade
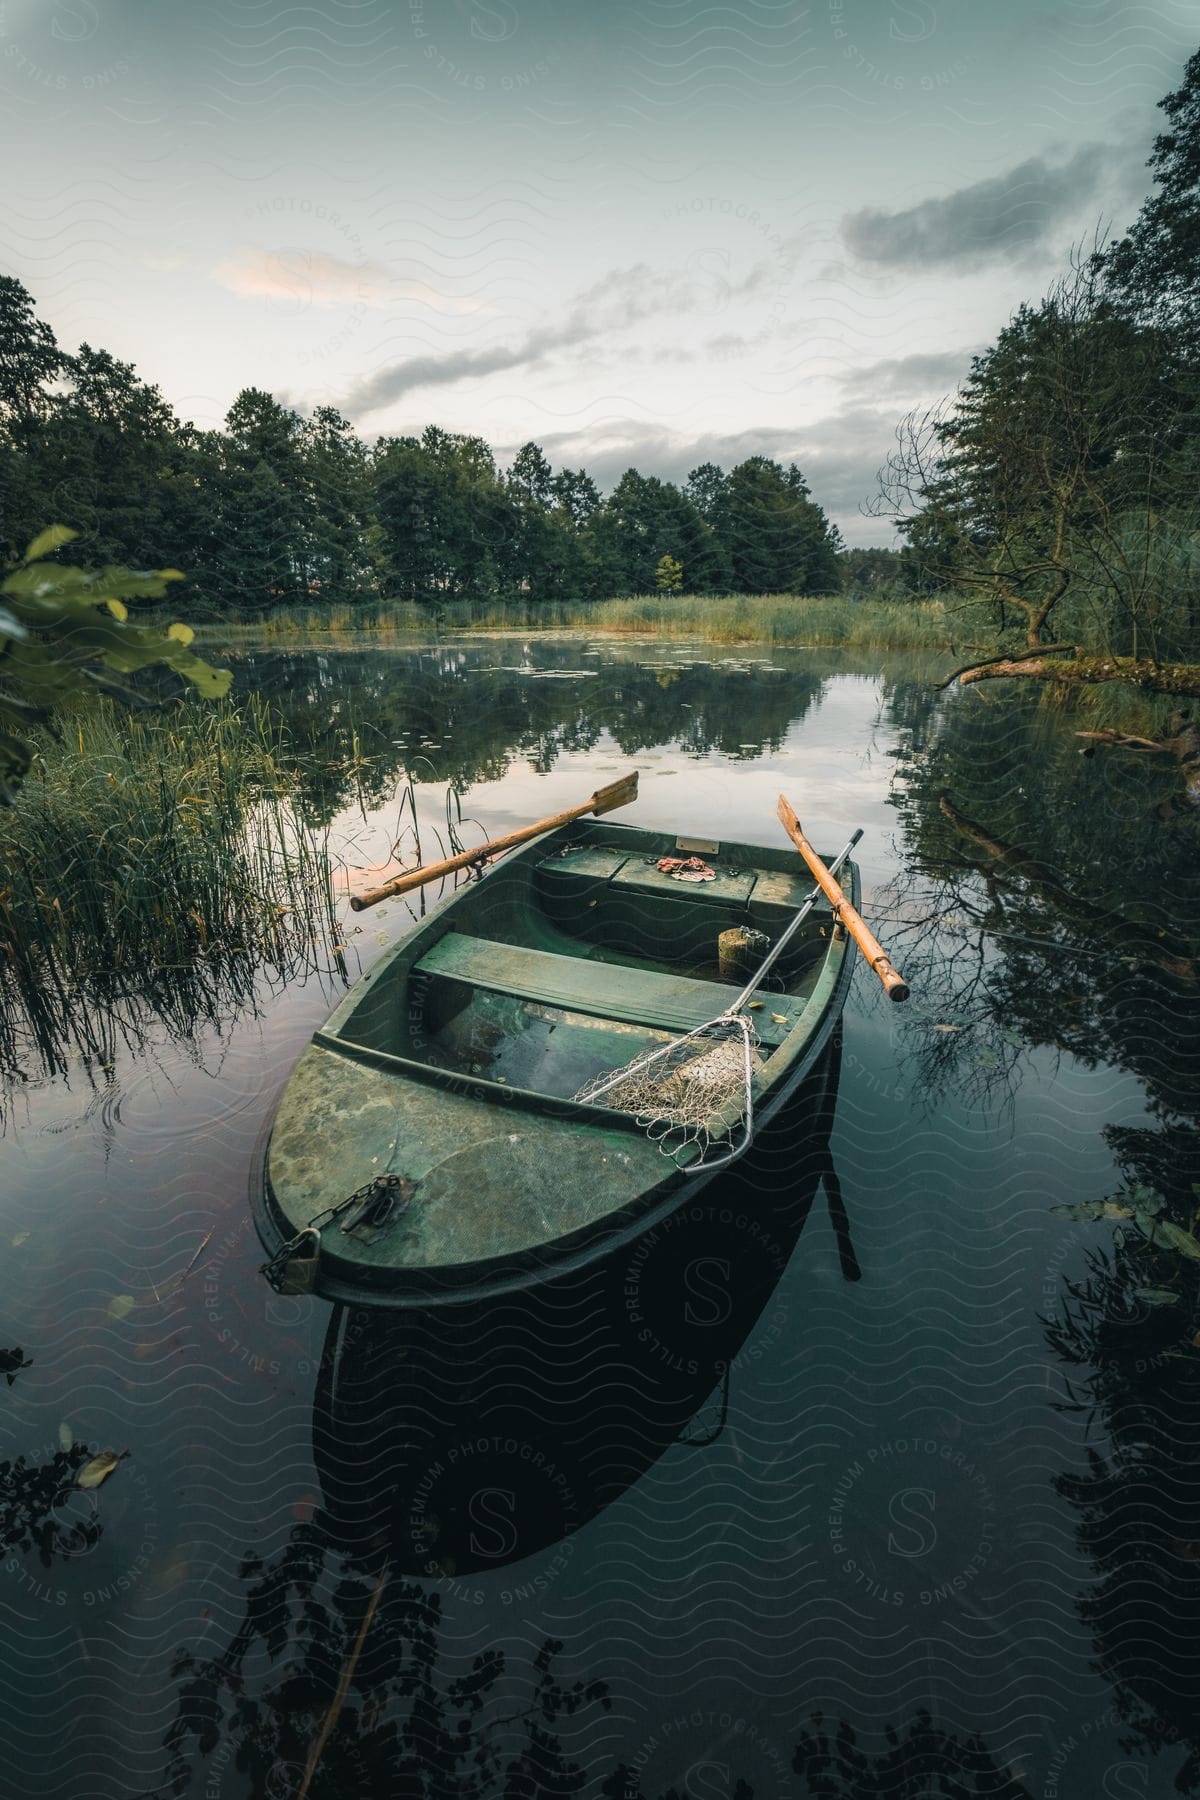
pixel 787 814
pixel 617 793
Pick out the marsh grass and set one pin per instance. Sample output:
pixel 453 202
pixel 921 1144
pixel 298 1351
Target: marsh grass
pixel 779 619
pixel 153 867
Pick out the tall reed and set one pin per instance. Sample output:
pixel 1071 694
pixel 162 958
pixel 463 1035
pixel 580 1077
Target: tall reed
pixel 158 858
pixel 780 619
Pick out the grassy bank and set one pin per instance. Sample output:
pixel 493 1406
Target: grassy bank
pixel 780 619
pixel 154 858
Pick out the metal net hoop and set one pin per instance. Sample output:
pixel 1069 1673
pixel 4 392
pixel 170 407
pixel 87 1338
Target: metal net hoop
pixel 678 1092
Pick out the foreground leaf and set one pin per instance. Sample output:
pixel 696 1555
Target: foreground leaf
pixel 67 631
pixel 53 538
pixel 99 1468
pixel 1178 1238
pixel 1094 1209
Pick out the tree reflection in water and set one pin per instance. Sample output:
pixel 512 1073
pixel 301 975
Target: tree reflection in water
pixel 464 714
pixel 405 1727
pixel 1057 905
pixel 1128 1333
pixel 1044 904
pixel 1051 908
pixel 341 1651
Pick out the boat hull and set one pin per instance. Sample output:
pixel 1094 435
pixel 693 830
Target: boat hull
pixel 461 1440
pixel 511 1188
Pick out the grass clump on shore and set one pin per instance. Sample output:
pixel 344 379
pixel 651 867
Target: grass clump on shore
pixel 781 619
pixel 156 860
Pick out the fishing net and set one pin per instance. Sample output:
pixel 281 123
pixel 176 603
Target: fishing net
pixel 698 1090
pixel 693 1091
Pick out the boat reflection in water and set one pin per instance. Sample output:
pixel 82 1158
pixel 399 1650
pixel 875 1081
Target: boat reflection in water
pixel 454 1440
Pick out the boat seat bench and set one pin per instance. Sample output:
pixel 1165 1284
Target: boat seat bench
pixel 610 991
pixel 762 897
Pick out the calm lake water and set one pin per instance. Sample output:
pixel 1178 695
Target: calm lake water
pixel 951 1493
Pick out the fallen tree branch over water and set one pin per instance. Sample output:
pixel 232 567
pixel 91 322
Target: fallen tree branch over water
pixel 1137 671
pixel 1183 744
pixel 971 670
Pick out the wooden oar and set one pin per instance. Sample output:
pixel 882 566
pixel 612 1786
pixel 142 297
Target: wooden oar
pixel 605 799
pixel 874 952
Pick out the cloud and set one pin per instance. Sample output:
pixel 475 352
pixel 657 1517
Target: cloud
pixel 620 299
pixel 924 372
pixel 314 278
pixel 1012 214
pixel 440 370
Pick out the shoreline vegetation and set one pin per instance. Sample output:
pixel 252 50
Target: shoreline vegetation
pixel 782 620
pixel 151 868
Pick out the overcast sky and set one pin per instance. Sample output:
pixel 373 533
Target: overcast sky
pixel 640 231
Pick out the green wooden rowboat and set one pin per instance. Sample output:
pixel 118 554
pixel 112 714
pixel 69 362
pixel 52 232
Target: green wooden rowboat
pixel 453 1064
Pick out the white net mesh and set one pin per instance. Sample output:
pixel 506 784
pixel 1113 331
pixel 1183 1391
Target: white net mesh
pixel 693 1091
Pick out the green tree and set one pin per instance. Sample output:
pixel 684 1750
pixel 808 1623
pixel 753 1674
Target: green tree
pixel 531 475
pixel 261 503
pixel 335 475
pixel 708 489
pixel 869 570
pixel 30 360
pixel 1046 489
pixel 668 577
pixel 445 524
pixel 643 520
pixel 536 549
pixel 576 495
pixel 778 541
pixel 102 457
pixel 1154 270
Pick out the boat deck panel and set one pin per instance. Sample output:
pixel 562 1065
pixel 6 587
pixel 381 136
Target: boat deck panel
pixel 637 996
pixel 774 888
pixel 491 1179
pixel 598 864
pixel 732 886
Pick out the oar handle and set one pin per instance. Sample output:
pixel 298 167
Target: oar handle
pixel 606 799
pixel 465 858
pixel 874 954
